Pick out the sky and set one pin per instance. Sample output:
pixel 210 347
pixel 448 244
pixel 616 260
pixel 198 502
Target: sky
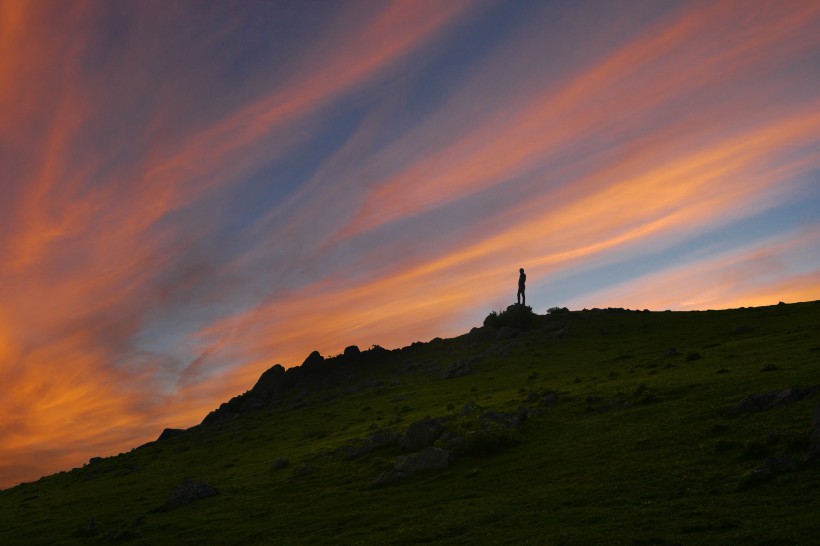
pixel 192 192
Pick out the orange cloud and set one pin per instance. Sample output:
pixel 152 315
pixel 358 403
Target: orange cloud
pixel 111 220
pixel 90 239
pixel 749 276
pixel 672 60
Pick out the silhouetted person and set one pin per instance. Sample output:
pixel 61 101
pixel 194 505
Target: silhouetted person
pixel 522 280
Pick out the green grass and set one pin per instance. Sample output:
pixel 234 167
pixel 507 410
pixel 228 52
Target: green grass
pixel 638 449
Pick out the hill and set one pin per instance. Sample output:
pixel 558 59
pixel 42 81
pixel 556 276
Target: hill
pixel 587 427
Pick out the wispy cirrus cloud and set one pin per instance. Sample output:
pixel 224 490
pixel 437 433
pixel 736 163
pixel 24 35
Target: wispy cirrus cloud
pixel 104 161
pixel 193 193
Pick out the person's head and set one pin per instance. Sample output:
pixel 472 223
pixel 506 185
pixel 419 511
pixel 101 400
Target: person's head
pixel 521 270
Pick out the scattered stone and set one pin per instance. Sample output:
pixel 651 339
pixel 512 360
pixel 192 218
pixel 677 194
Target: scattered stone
pixel 89 529
pixel 188 491
pixel 509 420
pixel 388 477
pixel 469 408
pixel 429 366
pixel 814 438
pixel 778 464
pixel 459 368
pixel 420 435
pixel 431 458
pixel 769 400
pixel 383 438
pixel 377 440
pixel 771 466
pixel 280 463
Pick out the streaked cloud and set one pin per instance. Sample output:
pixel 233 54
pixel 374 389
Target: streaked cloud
pixel 186 204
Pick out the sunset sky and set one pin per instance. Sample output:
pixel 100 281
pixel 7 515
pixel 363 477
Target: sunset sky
pixel 191 192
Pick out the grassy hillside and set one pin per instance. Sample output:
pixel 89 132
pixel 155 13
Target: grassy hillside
pixel 592 427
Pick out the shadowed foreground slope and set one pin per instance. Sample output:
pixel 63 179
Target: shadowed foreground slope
pixel 601 426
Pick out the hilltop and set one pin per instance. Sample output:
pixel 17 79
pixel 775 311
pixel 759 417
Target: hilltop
pixel 596 426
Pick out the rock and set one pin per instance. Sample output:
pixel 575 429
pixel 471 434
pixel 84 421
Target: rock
pixel 505 332
pixel 509 420
pixel 251 404
pixel 459 368
pixel 431 458
pixel 169 433
pixel 270 382
pixel 383 438
pixel 220 415
pixel 778 464
pixel 469 408
pixel 280 463
pixel 188 491
pixel 388 477
pixel 89 529
pixel 430 366
pixel 549 399
pixel 771 466
pixel 553 326
pixel 814 439
pixel 352 351
pixel 769 400
pixel 303 471
pixel 378 440
pixel 692 356
pixel 420 435
pixel 313 363
pixel 350 452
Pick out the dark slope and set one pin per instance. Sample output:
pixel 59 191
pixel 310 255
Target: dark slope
pixel 603 426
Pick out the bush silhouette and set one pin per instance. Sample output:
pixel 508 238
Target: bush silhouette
pixel 558 311
pixel 515 316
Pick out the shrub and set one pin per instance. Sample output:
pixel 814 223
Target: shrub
pixel 492 321
pixel 515 316
pixel 557 311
